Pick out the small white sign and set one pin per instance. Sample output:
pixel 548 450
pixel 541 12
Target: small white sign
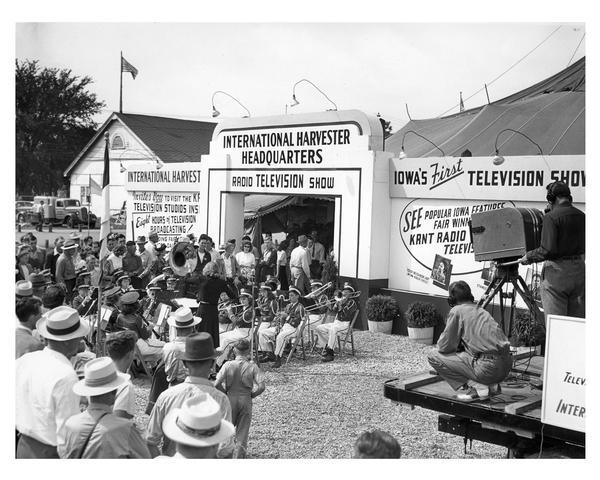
pixel 563 398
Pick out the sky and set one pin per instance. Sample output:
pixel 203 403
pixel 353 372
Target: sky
pixel 373 67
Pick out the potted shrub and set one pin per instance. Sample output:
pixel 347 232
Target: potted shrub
pixel 528 332
pixel 421 319
pixel 381 312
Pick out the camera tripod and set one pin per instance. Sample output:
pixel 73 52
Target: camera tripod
pixel 508 273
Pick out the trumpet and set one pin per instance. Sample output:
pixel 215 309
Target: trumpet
pixel 221 308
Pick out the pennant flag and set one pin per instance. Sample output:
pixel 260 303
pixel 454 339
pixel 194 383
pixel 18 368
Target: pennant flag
pixel 95 189
pixel 462 105
pixel 128 67
pixel 105 214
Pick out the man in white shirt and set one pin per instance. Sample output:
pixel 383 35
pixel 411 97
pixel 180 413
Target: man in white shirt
pixel 44 385
pixel 300 265
pixel 317 254
pixel 151 245
pixel 147 260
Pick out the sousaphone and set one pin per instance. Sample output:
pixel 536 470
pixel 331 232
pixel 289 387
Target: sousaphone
pixel 183 258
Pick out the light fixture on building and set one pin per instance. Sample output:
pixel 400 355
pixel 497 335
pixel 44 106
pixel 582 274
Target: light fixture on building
pixel 216 113
pixel 499 159
pixel 403 153
pixel 296 102
pixel 121 167
pixel 159 163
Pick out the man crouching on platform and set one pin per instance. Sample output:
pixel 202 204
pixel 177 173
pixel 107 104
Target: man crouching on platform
pixel 473 353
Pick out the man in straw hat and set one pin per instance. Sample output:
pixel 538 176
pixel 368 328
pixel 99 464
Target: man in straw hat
pixel 197 428
pixel 97 432
pixel 198 358
pixel 327 333
pixel 44 383
pixel 23 289
pixel 183 322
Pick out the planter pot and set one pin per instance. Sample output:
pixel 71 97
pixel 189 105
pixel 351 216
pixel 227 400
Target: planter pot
pixel 421 335
pixel 382 327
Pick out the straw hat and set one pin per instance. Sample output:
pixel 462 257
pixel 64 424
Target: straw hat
pixel 24 288
pixel 68 245
pixel 100 376
pixel 198 423
pixel 62 323
pixel 183 318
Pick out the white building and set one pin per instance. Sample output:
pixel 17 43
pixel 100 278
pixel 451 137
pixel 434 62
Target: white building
pixel 135 140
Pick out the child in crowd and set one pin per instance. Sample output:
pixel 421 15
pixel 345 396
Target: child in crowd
pixel 237 379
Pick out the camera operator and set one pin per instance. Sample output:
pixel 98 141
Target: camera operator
pixel 562 250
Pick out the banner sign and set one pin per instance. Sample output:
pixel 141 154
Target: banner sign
pixel 175 178
pixel 479 179
pixel 563 396
pixel 430 246
pixel 287 146
pixel 170 214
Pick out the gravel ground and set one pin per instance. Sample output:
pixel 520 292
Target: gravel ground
pixel 316 410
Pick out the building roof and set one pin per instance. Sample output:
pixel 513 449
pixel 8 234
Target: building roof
pixel 170 139
pixel 551 113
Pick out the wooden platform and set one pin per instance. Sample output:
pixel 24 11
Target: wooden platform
pixel 517 409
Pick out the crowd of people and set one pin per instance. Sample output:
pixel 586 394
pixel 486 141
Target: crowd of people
pixel 200 327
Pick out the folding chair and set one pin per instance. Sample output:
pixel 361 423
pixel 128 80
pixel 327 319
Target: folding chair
pixel 298 339
pixel 348 335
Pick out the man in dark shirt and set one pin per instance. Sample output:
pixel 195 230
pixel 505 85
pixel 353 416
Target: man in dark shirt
pixel 562 250
pixel 132 263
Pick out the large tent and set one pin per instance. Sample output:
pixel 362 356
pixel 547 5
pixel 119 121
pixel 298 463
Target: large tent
pixel 551 113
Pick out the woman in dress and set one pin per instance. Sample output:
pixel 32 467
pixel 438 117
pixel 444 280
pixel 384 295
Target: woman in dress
pixel 246 261
pixel 210 288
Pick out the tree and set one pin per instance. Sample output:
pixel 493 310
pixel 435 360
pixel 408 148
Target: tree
pixel 54 122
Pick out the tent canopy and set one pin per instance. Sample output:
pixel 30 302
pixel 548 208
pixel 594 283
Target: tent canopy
pixel 551 113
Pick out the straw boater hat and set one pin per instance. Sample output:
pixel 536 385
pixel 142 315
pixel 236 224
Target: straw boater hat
pixel 69 244
pixel 295 290
pixel 183 318
pixel 23 288
pixel 199 347
pixel 62 323
pixel 347 286
pixel 100 376
pixel 141 239
pixel 198 423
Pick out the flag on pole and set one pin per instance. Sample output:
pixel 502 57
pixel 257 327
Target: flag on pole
pixel 95 189
pixel 462 105
pixel 128 67
pixel 105 214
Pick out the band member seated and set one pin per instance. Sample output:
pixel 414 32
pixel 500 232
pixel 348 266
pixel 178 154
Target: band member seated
pixel 184 322
pixel 317 314
pixel 150 302
pixel 242 323
pixel 473 353
pixel 83 293
pixel 286 323
pixel 130 319
pixel 344 309
pixel 111 302
pixel 267 309
pixel 124 283
pixel 225 303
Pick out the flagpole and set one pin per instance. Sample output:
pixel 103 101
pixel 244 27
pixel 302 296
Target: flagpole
pixel 121 84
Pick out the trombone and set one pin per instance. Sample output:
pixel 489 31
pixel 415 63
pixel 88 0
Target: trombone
pixel 319 290
pixel 318 306
pixel 223 307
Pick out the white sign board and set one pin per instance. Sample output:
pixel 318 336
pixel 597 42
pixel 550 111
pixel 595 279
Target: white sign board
pixel 477 178
pixel 563 398
pixel 165 201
